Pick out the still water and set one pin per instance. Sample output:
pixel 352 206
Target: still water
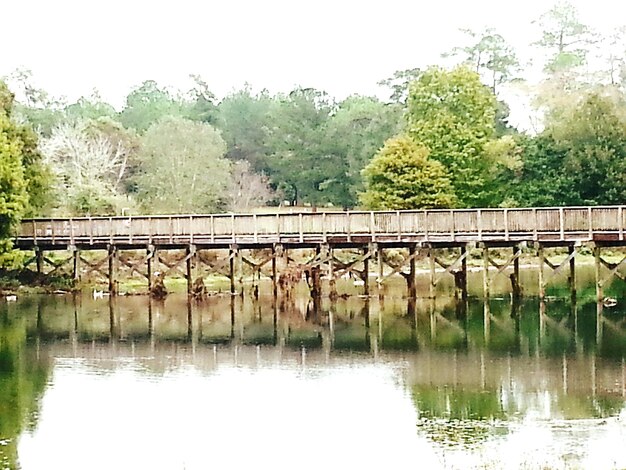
pixel 129 383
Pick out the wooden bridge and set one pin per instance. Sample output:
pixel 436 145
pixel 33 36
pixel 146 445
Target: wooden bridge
pixel 421 232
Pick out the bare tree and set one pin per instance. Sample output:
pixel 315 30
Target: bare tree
pixel 247 189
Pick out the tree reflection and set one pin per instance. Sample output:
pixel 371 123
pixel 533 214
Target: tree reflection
pixel 23 378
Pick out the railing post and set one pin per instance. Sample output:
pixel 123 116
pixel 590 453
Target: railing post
pixel 53 231
pixel 425 225
pixel 479 223
pixel 590 223
pixel 90 230
pixel 72 232
pixel 300 228
pixel 620 223
pixel 324 233
pixel 535 223
pixel 212 224
pixel 506 224
pixel 452 225
pixel 191 229
pixel 232 228
pixel 256 229
pixel 349 227
pixel 561 224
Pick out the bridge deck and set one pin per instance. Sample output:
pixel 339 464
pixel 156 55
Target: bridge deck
pixel 559 225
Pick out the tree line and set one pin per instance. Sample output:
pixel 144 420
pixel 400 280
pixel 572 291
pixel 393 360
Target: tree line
pixel 441 139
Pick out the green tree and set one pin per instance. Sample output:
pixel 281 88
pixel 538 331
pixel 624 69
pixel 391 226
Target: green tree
pixel 148 104
pixel 594 138
pixel 402 176
pixel 182 167
pixel 399 82
pixel 357 130
pixel 453 115
pixel 244 118
pixel 489 54
pixel 564 38
pixel 89 108
pixel 300 161
pixel 13 183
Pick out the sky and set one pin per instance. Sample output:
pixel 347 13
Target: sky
pixel 340 46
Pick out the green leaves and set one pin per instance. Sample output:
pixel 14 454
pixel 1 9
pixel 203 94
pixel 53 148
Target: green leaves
pixel 402 176
pixel 452 114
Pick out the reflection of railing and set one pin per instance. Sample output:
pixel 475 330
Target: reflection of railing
pixel 460 225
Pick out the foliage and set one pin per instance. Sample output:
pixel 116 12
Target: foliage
pixel 488 54
pixel 244 121
pixel 402 176
pixel 300 162
pixel 399 82
pixel 88 167
pixel 13 195
pixel 148 104
pixel 453 115
pixel 182 167
pixel 564 38
pixel 357 130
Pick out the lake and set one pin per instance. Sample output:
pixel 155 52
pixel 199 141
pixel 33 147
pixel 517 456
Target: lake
pixel 131 383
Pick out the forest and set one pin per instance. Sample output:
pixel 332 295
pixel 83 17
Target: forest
pixel 441 139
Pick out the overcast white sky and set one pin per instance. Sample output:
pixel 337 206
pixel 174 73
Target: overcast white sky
pixel 339 46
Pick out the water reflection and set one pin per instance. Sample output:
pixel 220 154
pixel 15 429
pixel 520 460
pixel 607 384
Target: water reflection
pixel 476 376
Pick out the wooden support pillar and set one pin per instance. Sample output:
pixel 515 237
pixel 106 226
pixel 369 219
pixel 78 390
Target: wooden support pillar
pixel 464 272
pixel 274 274
pixel 316 279
pixel 598 264
pixel 515 282
pixel 460 277
pixel 381 269
pixel 231 272
pixel 542 281
pixel 39 260
pixel 486 281
pixel 190 255
pixel 151 256
pixel 112 270
pixel 433 280
pixel 332 282
pixel 411 278
pixel 240 270
pixel 76 264
pixel 571 250
pixel 366 270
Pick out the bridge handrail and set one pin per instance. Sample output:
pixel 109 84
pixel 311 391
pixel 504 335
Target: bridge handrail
pixel 580 221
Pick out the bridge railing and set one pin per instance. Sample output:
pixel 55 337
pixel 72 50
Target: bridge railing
pixel 558 223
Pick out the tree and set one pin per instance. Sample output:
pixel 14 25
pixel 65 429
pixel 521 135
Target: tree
pixel 452 114
pixel 488 54
pixel 182 167
pixel 357 130
pixel 564 38
pixel 89 168
pixel 148 104
pixel 402 176
pixel 90 108
pixel 399 84
pixel 33 104
pixel 20 169
pixel 300 161
pixel 594 139
pixel 247 189
pixel 244 119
